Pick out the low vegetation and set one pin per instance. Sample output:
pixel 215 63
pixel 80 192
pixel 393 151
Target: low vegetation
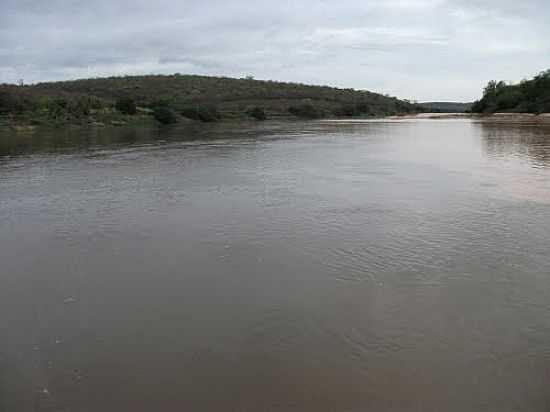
pixel 306 111
pixel 165 115
pixel 529 96
pixel 257 113
pixel 199 98
pixel 203 112
pixel 126 105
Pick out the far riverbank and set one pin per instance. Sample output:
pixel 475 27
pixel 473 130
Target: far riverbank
pixel 527 118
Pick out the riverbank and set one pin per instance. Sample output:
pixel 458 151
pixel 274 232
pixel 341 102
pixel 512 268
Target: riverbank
pixel 30 123
pixel 173 98
pixel 525 118
pixel 141 120
pixel 522 118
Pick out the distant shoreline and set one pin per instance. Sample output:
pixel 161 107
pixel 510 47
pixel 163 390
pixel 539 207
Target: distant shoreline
pixel 527 118
pixel 142 121
pixel 500 118
pixel 520 118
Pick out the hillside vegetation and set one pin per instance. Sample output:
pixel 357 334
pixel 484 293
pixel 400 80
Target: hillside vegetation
pixel 193 97
pixel 529 96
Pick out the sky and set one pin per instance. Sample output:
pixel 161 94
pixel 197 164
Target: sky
pixel 421 50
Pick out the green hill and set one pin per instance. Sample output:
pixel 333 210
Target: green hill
pixel 196 97
pixel 529 96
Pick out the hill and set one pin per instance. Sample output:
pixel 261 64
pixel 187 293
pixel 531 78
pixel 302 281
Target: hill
pixel 447 107
pixel 529 96
pixel 196 97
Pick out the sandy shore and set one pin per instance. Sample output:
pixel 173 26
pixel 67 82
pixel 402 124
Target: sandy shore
pixel 522 118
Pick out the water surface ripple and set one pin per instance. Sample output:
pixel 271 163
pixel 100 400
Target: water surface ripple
pixel 350 266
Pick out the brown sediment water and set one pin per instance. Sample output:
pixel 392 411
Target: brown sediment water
pixel 388 265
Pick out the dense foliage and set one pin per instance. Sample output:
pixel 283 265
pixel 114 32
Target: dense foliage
pixel 529 96
pixel 257 113
pixel 363 108
pixel 165 115
pixel 38 108
pixel 9 103
pixel 126 105
pixel 204 113
pixel 306 111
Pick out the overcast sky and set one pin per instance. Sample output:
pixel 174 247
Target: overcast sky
pixel 416 49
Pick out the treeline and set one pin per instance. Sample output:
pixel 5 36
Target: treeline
pixel 206 99
pixel 529 96
pixel 447 107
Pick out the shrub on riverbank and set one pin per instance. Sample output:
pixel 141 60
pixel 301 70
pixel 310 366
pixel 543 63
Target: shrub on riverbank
pixel 204 113
pixel 257 113
pixel 126 105
pixel 347 110
pixel 165 115
pixel 11 102
pixel 306 111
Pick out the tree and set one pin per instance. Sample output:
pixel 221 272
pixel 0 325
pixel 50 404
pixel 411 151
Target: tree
pixel 509 98
pixel 8 102
pixel 257 113
pixel 126 105
pixel 488 103
pixel 491 89
pixel 165 115
pixel 58 108
pixel 80 107
pixel 204 113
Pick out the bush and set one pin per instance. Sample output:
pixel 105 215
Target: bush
pixel 8 102
pixel 202 113
pixel 257 113
pixel 80 107
pixel 12 103
pixel 161 102
pixel 165 115
pixel 57 108
pixel 126 105
pixel 346 110
pixel 305 110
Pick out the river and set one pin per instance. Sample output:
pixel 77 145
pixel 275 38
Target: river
pixel 389 265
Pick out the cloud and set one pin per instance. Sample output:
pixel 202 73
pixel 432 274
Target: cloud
pixel 376 38
pixel 418 49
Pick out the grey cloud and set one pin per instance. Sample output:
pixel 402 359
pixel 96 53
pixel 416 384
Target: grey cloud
pixel 419 49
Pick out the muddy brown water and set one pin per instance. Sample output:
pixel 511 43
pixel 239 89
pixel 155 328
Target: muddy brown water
pixel 323 266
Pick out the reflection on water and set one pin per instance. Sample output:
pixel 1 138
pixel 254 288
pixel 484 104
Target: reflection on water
pixel 78 139
pixel 388 265
pixel 527 141
pixel 525 152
